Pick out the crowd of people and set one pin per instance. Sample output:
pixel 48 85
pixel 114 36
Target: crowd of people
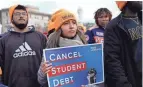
pixel 21 48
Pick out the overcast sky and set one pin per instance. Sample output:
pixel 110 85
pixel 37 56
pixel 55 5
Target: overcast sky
pixel 50 6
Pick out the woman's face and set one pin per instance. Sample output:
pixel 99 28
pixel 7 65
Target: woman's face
pixel 69 28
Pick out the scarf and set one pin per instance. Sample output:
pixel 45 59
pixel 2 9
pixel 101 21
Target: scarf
pixel 63 42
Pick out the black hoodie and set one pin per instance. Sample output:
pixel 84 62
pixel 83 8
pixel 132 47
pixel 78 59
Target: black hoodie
pixel 20 58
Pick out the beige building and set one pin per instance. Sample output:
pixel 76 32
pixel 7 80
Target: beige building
pixel 36 18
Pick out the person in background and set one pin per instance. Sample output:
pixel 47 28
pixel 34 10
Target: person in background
pixel 102 17
pixel 123 47
pixel 21 50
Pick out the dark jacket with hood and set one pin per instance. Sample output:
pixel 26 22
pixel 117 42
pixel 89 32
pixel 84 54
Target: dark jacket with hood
pixel 123 55
pixel 20 58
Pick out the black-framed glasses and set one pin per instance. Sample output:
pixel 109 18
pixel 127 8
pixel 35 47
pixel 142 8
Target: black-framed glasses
pixel 20 13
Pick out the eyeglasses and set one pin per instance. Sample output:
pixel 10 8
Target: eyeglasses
pixel 22 13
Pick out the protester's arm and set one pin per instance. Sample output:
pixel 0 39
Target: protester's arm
pixel 114 72
pixel 42 73
pixel 1 60
pixel 1 57
pixel 1 54
pixel 89 37
pixel 42 79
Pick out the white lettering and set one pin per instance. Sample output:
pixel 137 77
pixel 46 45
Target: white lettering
pixel 58 57
pixel 22 54
pixel 51 58
pixel 69 55
pixel 56 82
pixel 64 56
pixel 61 82
pixel 53 71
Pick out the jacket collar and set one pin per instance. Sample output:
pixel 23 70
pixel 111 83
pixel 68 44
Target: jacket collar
pixel 120 23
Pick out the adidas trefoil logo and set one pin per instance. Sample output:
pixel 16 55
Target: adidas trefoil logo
pixel 24 50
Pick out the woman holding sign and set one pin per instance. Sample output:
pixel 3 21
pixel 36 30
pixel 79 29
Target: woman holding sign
pixel 66 34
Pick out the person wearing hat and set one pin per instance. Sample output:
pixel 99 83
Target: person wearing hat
pixel 50 28
pixel 123 47
pixel 21 51
pixel 66 34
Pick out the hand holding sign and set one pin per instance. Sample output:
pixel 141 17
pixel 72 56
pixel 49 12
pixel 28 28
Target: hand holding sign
pixel 46 66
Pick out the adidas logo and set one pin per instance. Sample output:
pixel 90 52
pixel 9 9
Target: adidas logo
pixel 24 50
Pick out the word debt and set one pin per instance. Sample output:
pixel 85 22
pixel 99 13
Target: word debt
pixel 67 68
pixel 61 82
pixel 64 56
